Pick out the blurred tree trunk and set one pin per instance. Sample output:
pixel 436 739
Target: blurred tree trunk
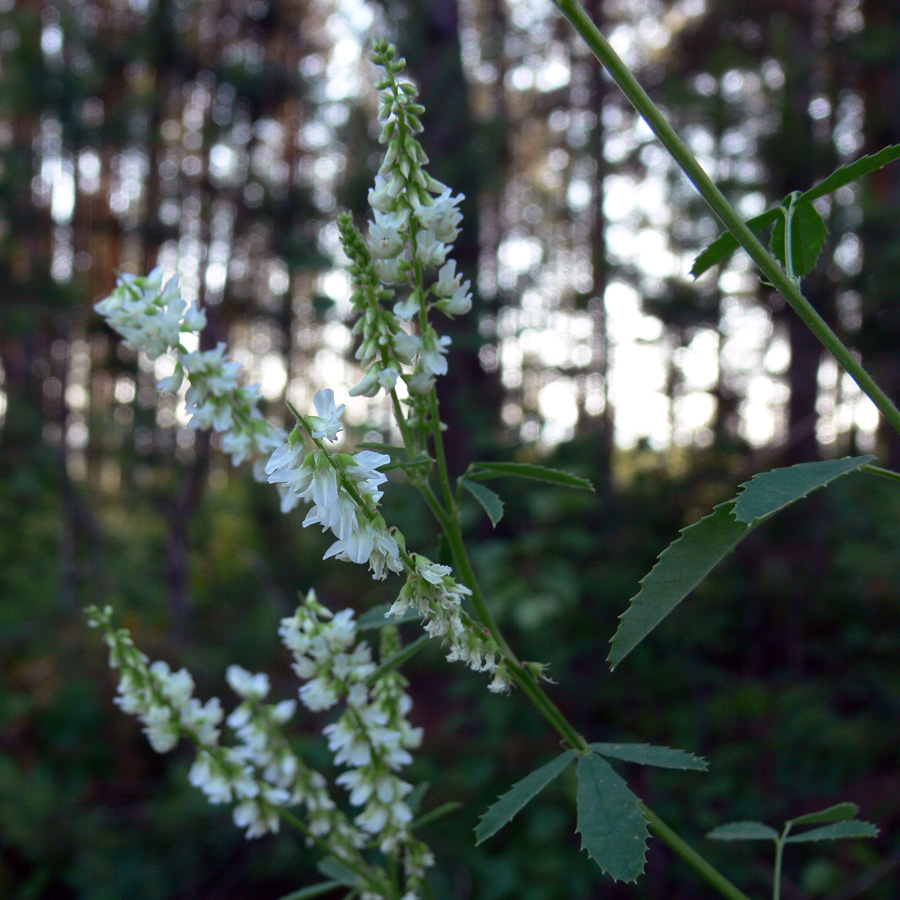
pixel 799 169
pixel 878 53
pixel 470 397
pixel 602 427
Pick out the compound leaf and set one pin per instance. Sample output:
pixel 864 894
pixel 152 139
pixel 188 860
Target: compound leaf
pixel 743 831
pixel 482 470
pixel 724 245
pixel 768 492
pixel 846 174
pixel 701 546
pixel 837 813
pixel 519 795
pixel 680 568
pixel 648 755
pixel 489 501
pixel 851 829
pixel 808 233
pixel 610 822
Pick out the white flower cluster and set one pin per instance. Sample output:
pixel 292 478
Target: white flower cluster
pixel 260 774
pixel 152 318
pixel 415 222
pixel 372 737
pixel 343 488
pixel 432 591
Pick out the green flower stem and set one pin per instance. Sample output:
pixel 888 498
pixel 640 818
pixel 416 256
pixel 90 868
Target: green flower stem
pixel 708 872
pixel 357 868
pixel 439 455
pixel 779 279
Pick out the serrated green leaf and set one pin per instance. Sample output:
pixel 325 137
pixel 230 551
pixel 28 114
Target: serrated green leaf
pixel 725 244
pixel 808 233
pixel 768 492
pixel 489 501
pixel 519 795
pixel 314 890
pixel 743 831
pixel 835 832
pixel 480 471
pixel 680 568
pixel 837 813
pixel 376 618
pixel 334 868
pixel 648 755
pixel 852 171
pixel 612 828
pixel 701 546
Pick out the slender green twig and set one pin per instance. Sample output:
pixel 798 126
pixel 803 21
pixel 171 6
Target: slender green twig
pixel 779 855
pixel 884 473
pixel 700 865
pixel 717 202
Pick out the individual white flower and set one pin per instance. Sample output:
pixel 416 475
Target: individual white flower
pixel 408 308
pixel 327 424
pixel 448 281
pixel 247 685
pixel 429 250
pixel 459 303
pixel 434 350
pixel 421 381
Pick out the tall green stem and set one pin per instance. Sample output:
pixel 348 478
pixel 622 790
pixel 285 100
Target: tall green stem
pixel 708 872
pixel 639 99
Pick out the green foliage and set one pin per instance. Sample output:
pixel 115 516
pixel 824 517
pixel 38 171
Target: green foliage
pixel 488 500
pixel 689 559
pixel 743 831
pixel 647 755
pixel 808 231
pixel 807 242
pixel 612 827
pixel 520 794
pixel 483 470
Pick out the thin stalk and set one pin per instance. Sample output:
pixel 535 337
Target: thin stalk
pixel 439 455
pixel 884 473
pixel 358 869
pixel 779 855
pixel 717 202
pixel 703 868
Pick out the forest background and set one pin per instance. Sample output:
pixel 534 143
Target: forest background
pixel 221 138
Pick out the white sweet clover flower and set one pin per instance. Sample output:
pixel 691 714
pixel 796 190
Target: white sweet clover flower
pixel 260 774
pixel 415 220
pixel 433 592
pixel 372 737
pixel 152 318
pixel 343 489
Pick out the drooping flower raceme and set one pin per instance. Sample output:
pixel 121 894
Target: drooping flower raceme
pixel 372 737
pixel 342 488
pixel 433 592
pixel 152 317
pixel 415 220
pixel 261 774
